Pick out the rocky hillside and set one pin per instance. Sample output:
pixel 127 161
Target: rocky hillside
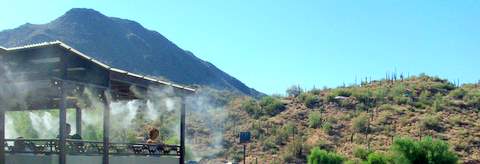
pixel 348 120
pixel 125 44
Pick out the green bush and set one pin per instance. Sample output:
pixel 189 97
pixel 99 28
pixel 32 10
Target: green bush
pixel 378 158
pixel 427 150
pixel 318 156
pixel 342 92
pixel 327 127
pixel 311 101
pixel 361 153
pixel 269 144
pixel 252 108
pixel 271 106
pixel 430 122
pixel 314 119
pixel 293 150
pixel 458 93
pixel 360 123
pixel 424 97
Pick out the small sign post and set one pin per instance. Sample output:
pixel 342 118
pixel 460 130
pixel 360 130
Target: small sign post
pixel 244 139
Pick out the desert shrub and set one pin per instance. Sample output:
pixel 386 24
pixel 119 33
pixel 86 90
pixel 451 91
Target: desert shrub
pixel 311 101
pixel 443 86
pixel 384 117
pixel 342 92
pixel 360 123
pixel 361 107
pixel 290 127
pixel 424 97
pixel 364 96
pixel 237 156
pixel 322 144
pixel 281 135
pixel 398 90
pixel 294 91
pixel 314 119
pixel 271 105
pixel 457 93
pixel 361 153
pixel 293 150
pixel 315 91
pixel 437 106
pixel 327 127
pixel 401 100
pixel 251 107
pixel 386 107
pixel 456 120
pixel 430 122
pixel 303 96
pixel 472 98
pixel 269 144
pixel 318 156
pixel 378 158
pixel 427 150
pixel 380 94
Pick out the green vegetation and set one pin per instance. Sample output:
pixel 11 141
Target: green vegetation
pixel 268 105
pixel 251 107
pixel 430 122
pixel 271 106
pixel 311 101
pixel 360 123
pixel 361 153
pixel 294 91
pixel 380 158
pixel 416 106
pixel 427 150
pixel 314 119
pixel 318 156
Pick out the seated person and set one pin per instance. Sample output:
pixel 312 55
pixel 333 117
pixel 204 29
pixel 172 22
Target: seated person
pixel 152 136
pixel 68 131
pixel 19 145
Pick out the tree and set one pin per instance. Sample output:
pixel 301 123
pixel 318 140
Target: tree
pixel 294 91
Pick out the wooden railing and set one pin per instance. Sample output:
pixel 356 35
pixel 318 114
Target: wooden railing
pixel 83 147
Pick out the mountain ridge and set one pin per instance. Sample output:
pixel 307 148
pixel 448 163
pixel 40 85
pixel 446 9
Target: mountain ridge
pixel 128 45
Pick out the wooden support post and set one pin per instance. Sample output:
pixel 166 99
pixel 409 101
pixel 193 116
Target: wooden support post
pixel 2 134
pixel 63 113
pixel 182 129
pixel 78 120
pixel 106 127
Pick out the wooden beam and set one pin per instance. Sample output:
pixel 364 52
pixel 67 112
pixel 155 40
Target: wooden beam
pixel 182 130
pixel 2 134
pixel 63 114
pixel 106 122
pixel 78 120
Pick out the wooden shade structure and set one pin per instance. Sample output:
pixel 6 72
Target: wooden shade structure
pixel 53 74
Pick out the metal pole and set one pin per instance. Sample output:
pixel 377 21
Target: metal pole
pixel 78 120
pixel 106 128
pixel 63 113
pixel 2 135
pixel 244 153
pixel 182 130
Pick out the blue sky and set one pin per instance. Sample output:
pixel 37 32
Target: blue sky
pixel 273 44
